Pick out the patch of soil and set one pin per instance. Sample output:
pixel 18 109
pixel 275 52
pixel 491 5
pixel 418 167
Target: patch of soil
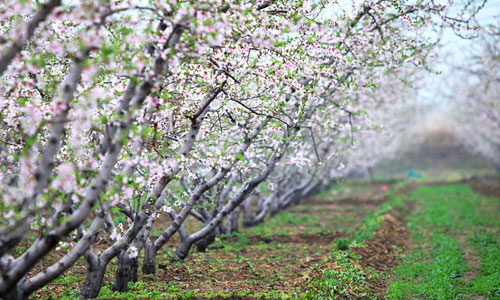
pixel 312 239
pixel 472 260
pixel 275 267
pixel 384 249
pixel 485 188
pixel 380 252
pixel 346 201
pixel 231 298
pixel 469 254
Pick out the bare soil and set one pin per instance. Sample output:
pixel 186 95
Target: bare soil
pixel 384 248
pixel 488 189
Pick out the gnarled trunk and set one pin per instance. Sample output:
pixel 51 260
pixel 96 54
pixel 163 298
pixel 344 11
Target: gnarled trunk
pixel 17 292
pixel 182 250
pixel 94 279
pixel 247 212
pixel 126 272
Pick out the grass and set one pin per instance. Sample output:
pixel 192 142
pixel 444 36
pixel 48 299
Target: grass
pixel 449 219
pixel 372 221
pixel 488 283
pixel 344 276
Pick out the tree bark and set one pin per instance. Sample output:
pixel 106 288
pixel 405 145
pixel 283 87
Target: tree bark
pixel 126 272
pixel 203 244
pixel 95 277
pixel 149 264
pixel 17 292
pixel 247 212
pixel 232 221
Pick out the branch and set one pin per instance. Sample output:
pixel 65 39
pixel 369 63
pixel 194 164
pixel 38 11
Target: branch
pixel 42 174
pixel 258 113
pixel 377 26
pixel 29 29
pixel 314 142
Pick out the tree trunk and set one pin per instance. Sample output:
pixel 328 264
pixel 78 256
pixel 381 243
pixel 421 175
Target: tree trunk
pixel 370 173
pixel 247 213
pixel 221 229
pixel 274 207
pixel 12 295
pixel 126 271
pixel 202 244
pixel 315 189
pixel 93 281
pixel 16 293
pixel 149 264
pixel 182 251
pixel 232 222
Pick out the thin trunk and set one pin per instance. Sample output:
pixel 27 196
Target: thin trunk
pixel 264 205
pixel 247 212
pixel 274 207
pixel 149 264
pixel 232 222
pixel 17 292
pixel 150 249
pixel 370 173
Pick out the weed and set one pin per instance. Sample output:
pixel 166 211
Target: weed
pixel 343 243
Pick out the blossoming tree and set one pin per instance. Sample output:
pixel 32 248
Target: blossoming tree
pixel 122 111
pixel 477 100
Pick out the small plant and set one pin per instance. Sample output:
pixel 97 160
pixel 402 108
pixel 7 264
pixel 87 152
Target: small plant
pixel 187 294
pixel 343 244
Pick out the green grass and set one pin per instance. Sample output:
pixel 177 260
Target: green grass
pixel 448 220
pixel 488 283
pixel 347 278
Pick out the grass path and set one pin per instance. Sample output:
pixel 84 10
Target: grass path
pixel 455 251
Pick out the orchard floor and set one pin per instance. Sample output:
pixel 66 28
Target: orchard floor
pixel 356 241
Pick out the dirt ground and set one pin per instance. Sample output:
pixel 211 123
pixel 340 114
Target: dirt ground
pixel 273 257
pixel 280 262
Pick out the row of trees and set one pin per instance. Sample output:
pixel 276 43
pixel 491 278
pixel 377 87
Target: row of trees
pixel 113 113
pixel 478 100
